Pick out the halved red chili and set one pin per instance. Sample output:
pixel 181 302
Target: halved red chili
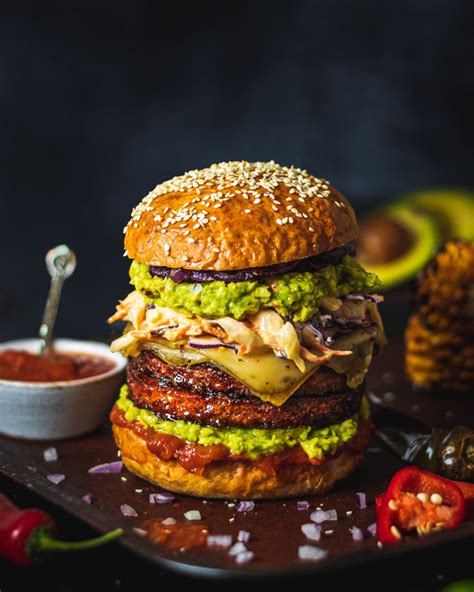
pixel 419 501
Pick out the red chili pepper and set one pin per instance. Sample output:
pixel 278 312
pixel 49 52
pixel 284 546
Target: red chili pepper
pixel 26 534
pixel 418 500
pixel 468 493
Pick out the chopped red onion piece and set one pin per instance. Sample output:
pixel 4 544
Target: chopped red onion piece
pixel 312 553
pixel 236 549
pixel 160 498
pixel 112 467
pixel 245 506
pixel 243 536
pixel 87 498
pixel 302 505
pixel 322 516
pixel 56 478
pixel 50 454
pixel 357 534
pixel 368 297
pixel 311 531
pixel 372 528
pixel 128 511
pixel 244 557
pixel 139 531
pixel 193 515
pixel 361 500
pixel 169 521
pixel 219 540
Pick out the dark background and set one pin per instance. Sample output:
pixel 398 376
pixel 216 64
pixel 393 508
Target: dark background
pixel 99 101
pixel 102 100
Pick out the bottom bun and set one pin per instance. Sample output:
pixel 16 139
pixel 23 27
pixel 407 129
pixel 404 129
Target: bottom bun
pixel 233 479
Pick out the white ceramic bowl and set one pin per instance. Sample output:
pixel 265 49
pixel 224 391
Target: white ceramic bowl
pixel 54 410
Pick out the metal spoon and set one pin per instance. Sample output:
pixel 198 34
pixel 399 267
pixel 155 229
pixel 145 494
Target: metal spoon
pixel 60 263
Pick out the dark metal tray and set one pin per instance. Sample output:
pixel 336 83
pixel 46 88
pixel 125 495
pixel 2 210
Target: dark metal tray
pixel 274 525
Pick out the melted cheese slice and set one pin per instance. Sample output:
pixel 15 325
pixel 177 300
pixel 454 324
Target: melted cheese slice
pixel 269 378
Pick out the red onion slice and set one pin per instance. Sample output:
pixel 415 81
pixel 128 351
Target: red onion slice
pixel 309 552
pixel 56 478
pixel 311 531
pixel 302 505
pixel 180 274
pixel 243 536
pixel 128 511
pixel 372 528
pixel 361 500
pixel 169 521
pixel 106 468
pixel 236 549
pixel 244 557
pixel 320 516
pixel 368 297
pixel 50 454
pixel 87 498
pixel 193 515
pixel 245 506
pixel 222 541
pixel 160 498
pixel 357 534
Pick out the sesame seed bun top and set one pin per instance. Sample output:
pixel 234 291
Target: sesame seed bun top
pixel 235 215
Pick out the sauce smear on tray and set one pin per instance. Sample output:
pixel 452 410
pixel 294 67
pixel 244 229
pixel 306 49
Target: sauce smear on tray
pixel 51 367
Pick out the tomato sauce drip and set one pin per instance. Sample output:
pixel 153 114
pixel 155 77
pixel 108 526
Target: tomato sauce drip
pixel 195 457
pixel 178 537
pixel 50 367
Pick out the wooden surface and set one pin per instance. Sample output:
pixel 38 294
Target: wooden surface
pixel 274 526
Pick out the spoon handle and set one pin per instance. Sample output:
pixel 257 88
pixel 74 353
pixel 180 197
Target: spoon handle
pixel 50 313
pixel 60 263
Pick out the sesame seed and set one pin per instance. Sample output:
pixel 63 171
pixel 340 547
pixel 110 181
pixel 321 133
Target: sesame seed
pixel 274 208
pixel 279 221
pixel 216 250
pixel 190 240
pixel 196 226
pixel 311 229
pixel 226 181
pixel 247 211
pixel 184 258
pixel 167 247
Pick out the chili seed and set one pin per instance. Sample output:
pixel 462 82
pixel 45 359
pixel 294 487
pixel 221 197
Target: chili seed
pixel 396 533
pixel 436 499
pixel 423 497
pixel 393 505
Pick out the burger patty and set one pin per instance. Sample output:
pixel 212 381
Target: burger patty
pixel 207 400
pixel 207 379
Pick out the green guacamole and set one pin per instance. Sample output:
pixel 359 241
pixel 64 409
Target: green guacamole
pixel 292 294
pixel 253 442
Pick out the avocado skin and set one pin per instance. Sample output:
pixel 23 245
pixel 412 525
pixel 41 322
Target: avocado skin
pixel 452 209
pixel 425 239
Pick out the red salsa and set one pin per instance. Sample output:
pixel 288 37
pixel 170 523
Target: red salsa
pixel 50 367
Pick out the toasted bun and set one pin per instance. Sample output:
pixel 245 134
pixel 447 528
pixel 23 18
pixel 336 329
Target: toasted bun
pixel 232 480
pixel 236 215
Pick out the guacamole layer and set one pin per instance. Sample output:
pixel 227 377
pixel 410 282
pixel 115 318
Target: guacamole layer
pixel 292 294
pixel 253 442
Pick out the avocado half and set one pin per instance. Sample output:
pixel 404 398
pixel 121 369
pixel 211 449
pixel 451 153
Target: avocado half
pixel 412 236
pixel 452 209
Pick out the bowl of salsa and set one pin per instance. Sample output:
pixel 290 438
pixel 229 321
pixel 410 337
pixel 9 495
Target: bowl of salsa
pixel 64 393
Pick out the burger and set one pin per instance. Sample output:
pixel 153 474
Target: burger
pixel 250 330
